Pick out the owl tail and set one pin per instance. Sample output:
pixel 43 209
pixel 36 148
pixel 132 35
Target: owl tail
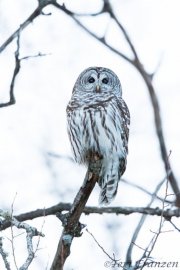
pixel 108 191
pixel 111 174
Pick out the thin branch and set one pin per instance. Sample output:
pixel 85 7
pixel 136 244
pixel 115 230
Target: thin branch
pixel 30 233
pixel 101 247
pixel 18 60
pixel 102 40
pixel 145 190
pixel 16 34
pixel 114 262
pixel 34 56
pixel 110 10
pixel 55 155
pixel 12 233
pixel 39 237
pixel 63 8
pixel 61 207
pixel 38 11
pixel 30 19
pixel 147 253
pixel 174 226
pixel 140 224
pixel 16 71
pixel 142 220
pixel 157 67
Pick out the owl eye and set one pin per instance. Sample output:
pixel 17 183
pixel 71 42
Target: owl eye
pixel 91 80
pixel 105 80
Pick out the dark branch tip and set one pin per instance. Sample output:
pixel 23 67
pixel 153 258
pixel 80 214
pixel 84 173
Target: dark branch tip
pixel 46 14
pixel 107 7
pixel 102 39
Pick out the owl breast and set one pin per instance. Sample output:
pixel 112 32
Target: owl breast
pixel 96 128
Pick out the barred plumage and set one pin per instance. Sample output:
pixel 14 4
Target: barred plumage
pixel 98 120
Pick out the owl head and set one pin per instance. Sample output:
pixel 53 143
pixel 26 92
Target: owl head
pixel 98 80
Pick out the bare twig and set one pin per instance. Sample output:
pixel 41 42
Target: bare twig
pixel 109 9
pixel 31 232
pixel 55 155
pixel 147 253
pixel 30 19
pixel 146 191
pixel 63 8
pixel 101 247
pixel 157 67
pixel 113 261
pixel 102 40
pixel 39 237
pixel 174 226
pixel 150 247
pixel 38 11
pixel 16 71
pixel 12 233
pixel 34 56
pixel 140 224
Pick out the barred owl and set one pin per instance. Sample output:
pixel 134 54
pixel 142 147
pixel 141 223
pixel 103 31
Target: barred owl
pixel 98 122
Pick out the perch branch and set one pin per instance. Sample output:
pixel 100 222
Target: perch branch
pixel 70 221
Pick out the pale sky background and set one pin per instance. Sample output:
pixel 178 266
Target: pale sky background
pixel 36 124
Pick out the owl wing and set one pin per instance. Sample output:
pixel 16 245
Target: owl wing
pixel 125 117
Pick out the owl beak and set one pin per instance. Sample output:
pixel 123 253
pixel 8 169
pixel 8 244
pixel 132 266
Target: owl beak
pixel 98 89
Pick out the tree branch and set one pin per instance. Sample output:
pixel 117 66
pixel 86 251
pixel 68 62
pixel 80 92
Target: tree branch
pixel 30 19
pixel 70 221
pixel 30 233
pixel 60 207
pixel 16 71
pixel 102 40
